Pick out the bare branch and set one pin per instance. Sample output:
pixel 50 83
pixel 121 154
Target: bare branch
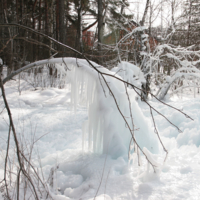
pixel 15 137
pixel 8 43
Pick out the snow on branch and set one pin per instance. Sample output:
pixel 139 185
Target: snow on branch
pixel 130 34
pixel 178 74
pixel 180 62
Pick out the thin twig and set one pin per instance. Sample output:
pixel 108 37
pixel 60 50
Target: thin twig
pixel 7 43
pixel 156 131
pixel 111 92
pixel 5 166
pixel 130 109
pixel 18 183
pixel 15 138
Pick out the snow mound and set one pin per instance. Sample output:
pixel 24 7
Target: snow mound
pixel 185 170
pixel 130 73
pixel 102 197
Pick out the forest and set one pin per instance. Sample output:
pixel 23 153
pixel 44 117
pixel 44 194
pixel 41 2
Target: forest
pixel 99 99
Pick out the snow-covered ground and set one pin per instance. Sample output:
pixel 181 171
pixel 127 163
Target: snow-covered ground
pixel 44 117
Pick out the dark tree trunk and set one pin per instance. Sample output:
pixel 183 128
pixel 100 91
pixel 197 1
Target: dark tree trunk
pixel 79 45
pixel 145 13
pixel 17 14
pixel 34 48
pixel 40 53
pixel 62 28
pixel 46 18
pixel 57 19
pixel 33 12
pixel 189 24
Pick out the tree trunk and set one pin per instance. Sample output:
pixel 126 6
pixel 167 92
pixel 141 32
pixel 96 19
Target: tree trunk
pixel 146 86
pixel 62 28
pixel 189 24
pixel 150 18
pixel 46 18
pixel 57 20
pixel 145 13
pixel 100 28
pixel 79 44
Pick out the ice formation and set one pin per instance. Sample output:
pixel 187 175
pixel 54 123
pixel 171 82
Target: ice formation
pixel 105 131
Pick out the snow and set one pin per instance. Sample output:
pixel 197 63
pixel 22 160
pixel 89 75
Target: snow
pixel 46 117
pixel 105 131
pixel 188 71
pixel 130 73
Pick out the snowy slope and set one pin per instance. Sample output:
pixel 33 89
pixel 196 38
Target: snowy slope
pixel 45 117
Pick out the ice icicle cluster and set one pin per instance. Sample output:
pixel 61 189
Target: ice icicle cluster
pixel 105 130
